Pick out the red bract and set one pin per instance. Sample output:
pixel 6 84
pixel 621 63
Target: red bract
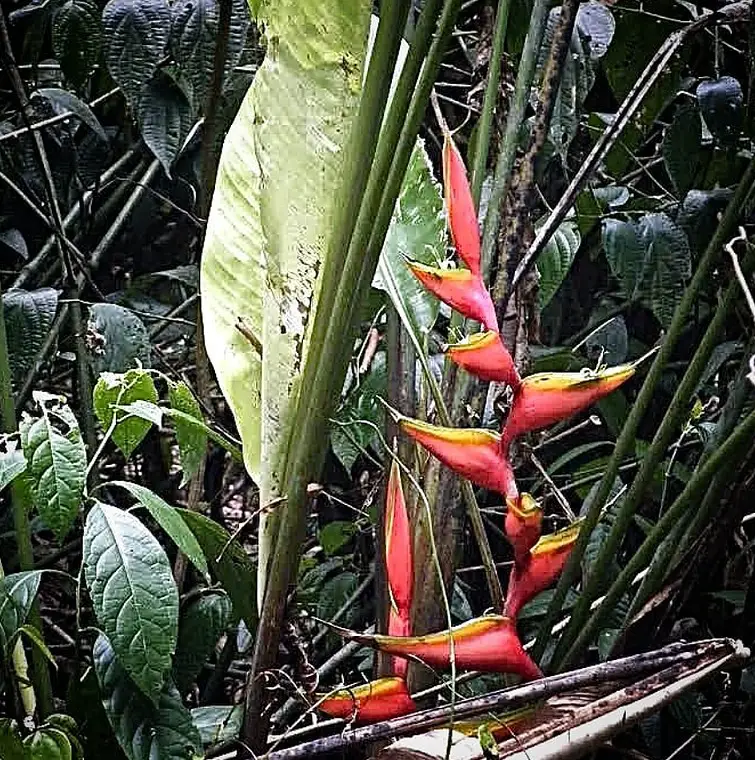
pixel 484 355
pixel 546 398
pixel 370 702
pixel 398 562
pixel 489 643
pixel 524 518
pixel 540 568
pixel 475 454
pixel 462 216
pixel 461 289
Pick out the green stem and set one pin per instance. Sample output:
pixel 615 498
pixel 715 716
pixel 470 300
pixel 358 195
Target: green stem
pixel 505 161
pixel 691 494
pixel 8 424
pixel 626 439
pixel 675 415
pixel 482 141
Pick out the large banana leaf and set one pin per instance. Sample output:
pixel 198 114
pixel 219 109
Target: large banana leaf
pixel 269 224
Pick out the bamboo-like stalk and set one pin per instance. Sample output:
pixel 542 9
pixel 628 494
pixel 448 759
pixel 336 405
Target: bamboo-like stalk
pixel 625 441
pixel 8 424
pixel 482 142
pixel 674 417
pixel 693 491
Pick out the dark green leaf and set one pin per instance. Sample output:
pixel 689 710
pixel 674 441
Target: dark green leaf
pixel 57 459
pixel 77 38
pixel 133 592
pixel 229 563
pixel 682 143
pixel 201 624
pixel 64 101
pixel 722 105
pixel 11 745
pixel 193 39
pixel 165 118
pixel 17 594
pixel 625 254
pixel 14 240
pixel 596 25
pixel 117 339
pixel 120 390
pixel 335 535
pixel 192 441
pixel 217 723
pixel 145 730
pixel 556 259
pixel 335 591
pixel 35 637
pixel 48 743
pixel 611 340
pixel 136 36
pixel 12 464
pixel 170 521
pixel 698 216
pixel 28 318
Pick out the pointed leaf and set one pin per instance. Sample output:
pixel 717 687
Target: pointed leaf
pixel 555 261
pixel 201 624
pixel 77 38
pixel 169 520
pixel 134 595
pixel 217 723
pixel 136 36
pixel 57 459
pixel 682 144
pixel 145 730
pixel 112 391
pixel 229 563
pixel 17 594
pixel 722 105
pixel 117 339
pixel 12 464
pixel 64 101
pixel 192 441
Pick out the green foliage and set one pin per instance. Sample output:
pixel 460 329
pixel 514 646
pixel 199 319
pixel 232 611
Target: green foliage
pixel 192 440
pixel 113 392
pixel 722 106
pixel 134 595
pixel 217 723
pixel 12 464
pixel 57 459
pixel 77 38
pixel 682 144
pixel 556 259
pixel 117 339
pixel 17 594
pixel 145 729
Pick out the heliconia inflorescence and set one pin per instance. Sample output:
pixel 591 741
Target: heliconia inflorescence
pixel 491 642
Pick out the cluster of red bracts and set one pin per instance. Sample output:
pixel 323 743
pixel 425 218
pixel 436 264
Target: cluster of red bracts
pixel 489 643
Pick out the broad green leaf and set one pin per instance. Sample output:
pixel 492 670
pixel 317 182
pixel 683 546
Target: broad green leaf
pixel 133 592
pixel 28 318
pixel 145 730
pixel 335 535
pixel 64 101
pixel 229 563
pixel 626 255
pixel 201 624
pixel 418 232
pixel 165 118
pixel 57 459
pixel 265 243
pixel 114 390
pixel 681 147
pixel 12 464
pixel 193 39
pixel 722 105
pixel 670 262
pixel 555 261
pixel 13 240
pixel 169 520
pixel 17 594
pixel 334 592
pixel 136 36
pixel 117 339
pixel 48 743
pixel 11 744
pixel 217 723
pixel 77 38
pixel 192 441
pixel 602 529
pixel 699 214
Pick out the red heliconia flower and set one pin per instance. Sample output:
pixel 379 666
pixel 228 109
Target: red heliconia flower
pixel 370 702
pixel 398 562
pixel 462 215
pixel 540 568
pixel 461 289
pixel 524 519
pixel 485 356
pixel 549 397
pixel 473 453
pixel 489 643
